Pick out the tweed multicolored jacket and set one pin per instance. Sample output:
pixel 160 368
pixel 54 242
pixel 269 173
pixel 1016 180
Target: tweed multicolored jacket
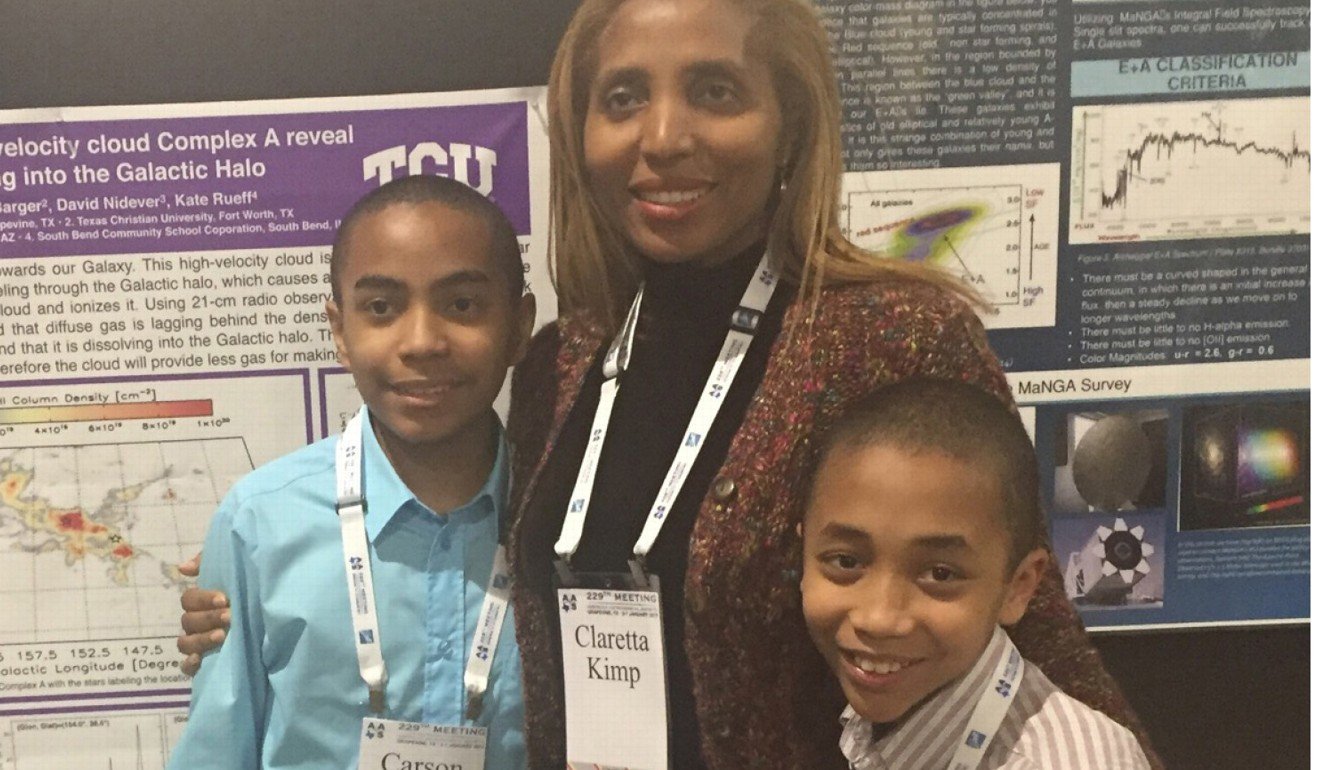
pixel 764 697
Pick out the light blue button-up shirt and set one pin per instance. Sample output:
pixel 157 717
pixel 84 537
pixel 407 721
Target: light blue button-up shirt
pixel 284 689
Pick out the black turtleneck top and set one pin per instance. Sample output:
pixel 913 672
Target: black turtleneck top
pixel 684 319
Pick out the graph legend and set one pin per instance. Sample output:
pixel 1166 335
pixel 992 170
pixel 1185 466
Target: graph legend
pixel 134 410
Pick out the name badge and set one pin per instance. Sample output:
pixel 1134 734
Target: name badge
pixel 614 679
pixel 391 745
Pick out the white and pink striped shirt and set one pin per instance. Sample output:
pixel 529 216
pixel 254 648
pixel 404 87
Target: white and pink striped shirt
pixel 1045 729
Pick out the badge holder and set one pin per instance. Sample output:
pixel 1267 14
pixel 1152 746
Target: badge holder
pixel 390 743
pixel 615 678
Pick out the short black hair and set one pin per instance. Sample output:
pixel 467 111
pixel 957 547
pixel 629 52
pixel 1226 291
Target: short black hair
pixel 923 414
pixel 426 188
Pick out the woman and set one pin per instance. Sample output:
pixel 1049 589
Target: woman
pixel 689 138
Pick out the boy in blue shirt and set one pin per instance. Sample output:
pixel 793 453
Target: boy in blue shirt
pixel 428 314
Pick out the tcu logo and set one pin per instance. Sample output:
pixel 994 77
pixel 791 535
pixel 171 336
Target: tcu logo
pixel 454 162
pixel 355 562
pixel 1003 688
pixel 483 652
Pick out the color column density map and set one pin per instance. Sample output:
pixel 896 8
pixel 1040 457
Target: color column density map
pixel 89 535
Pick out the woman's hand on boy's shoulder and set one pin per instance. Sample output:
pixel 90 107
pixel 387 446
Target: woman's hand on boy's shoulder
pixel 205 619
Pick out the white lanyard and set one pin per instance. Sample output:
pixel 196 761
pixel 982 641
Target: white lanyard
pixel 362 596
pixel 991 709
pixel 742 328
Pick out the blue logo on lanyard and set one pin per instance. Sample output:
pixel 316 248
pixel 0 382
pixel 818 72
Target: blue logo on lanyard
pixel 692 439
pixel 975 739
pixel 355 562
pixel 1003 688
pixel 366 636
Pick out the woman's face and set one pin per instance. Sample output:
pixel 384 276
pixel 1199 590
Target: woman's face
pixel 682 134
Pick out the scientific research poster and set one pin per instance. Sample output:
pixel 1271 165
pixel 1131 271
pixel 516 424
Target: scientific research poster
pixel 1127 184
pixel 163 279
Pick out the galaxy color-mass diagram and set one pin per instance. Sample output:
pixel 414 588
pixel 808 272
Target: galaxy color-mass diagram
pixel 992 227
pixel 931 238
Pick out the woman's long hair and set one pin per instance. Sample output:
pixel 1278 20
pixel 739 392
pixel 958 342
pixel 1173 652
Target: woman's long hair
pixel 594 267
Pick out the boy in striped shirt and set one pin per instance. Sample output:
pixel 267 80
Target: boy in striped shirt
pixel 920 542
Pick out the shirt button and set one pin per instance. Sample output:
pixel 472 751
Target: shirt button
pixel 724 488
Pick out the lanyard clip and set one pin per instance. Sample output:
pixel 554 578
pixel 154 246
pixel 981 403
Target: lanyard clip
pixel 637 566
pixel 377 701
pixel 474 703
pixel 565 572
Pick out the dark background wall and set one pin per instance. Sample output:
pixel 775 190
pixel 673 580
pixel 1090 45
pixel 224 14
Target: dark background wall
pixel 86 52
pixel 1211 699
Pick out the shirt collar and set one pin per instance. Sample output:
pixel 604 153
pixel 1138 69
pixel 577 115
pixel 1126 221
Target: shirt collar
pixel 952 705
pixel 387 495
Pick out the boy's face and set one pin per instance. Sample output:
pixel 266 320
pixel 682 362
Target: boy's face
pixel 905 573
pixel 426 324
